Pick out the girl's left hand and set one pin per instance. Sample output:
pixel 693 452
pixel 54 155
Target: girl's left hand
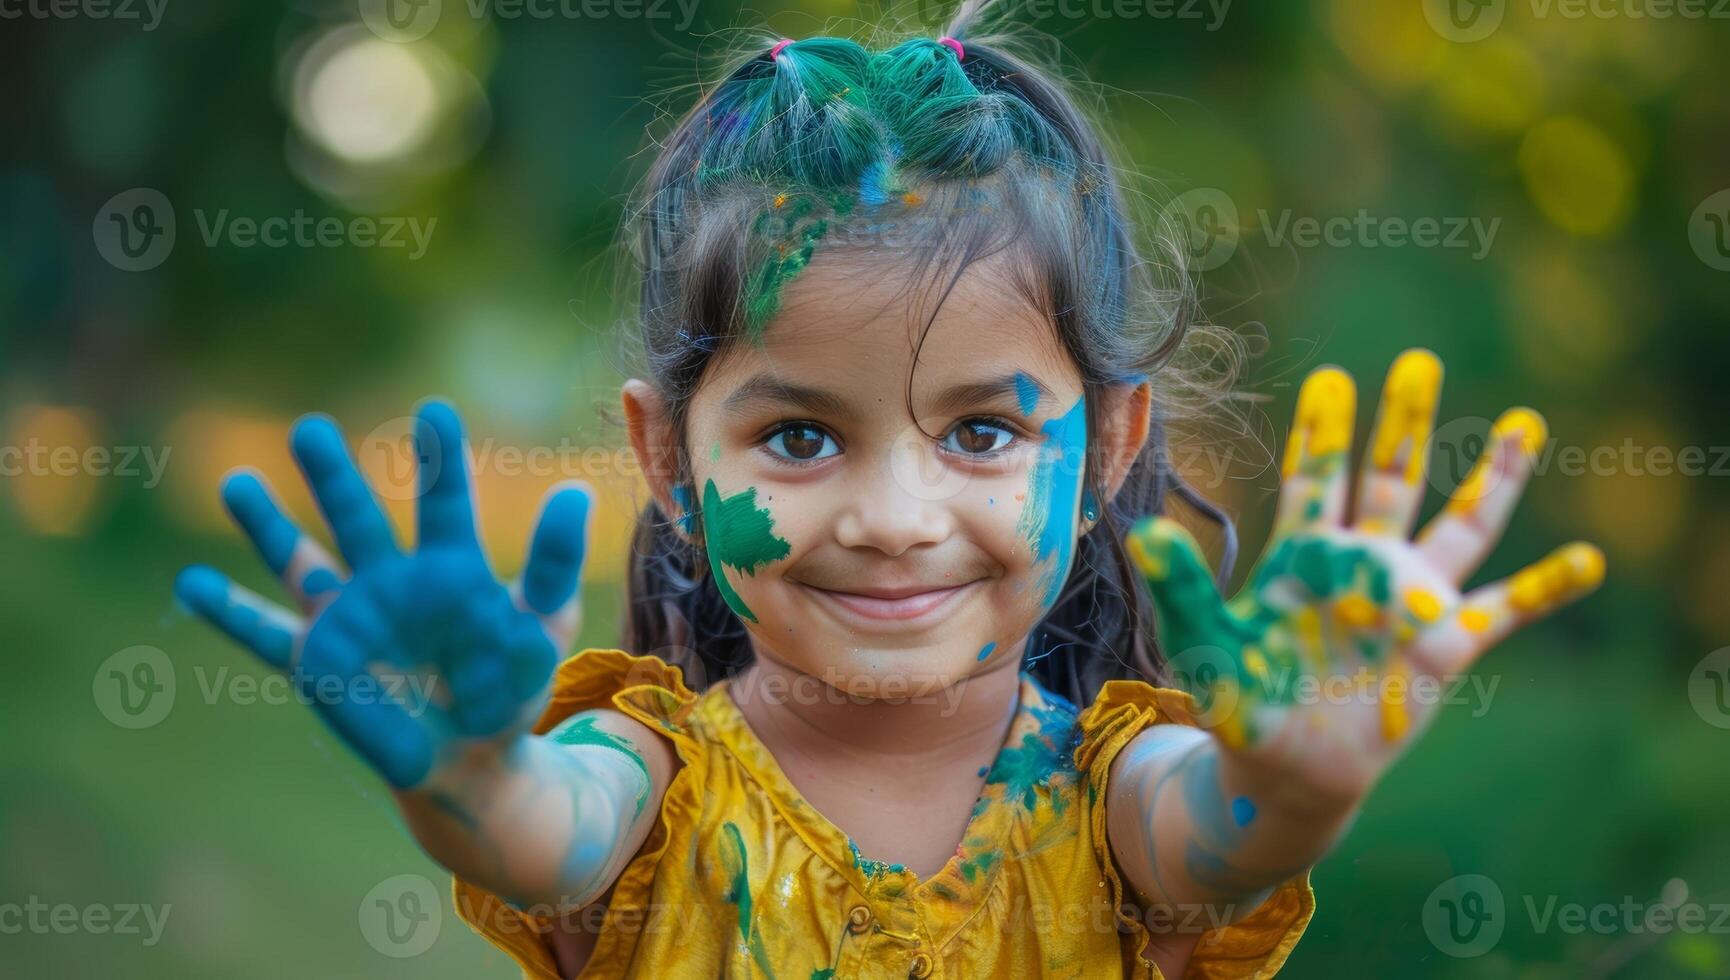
pixel 1333 657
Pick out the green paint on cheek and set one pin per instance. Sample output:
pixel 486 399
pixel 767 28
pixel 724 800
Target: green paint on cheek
pixel 582 731
pixel 715 452
pixel 740 535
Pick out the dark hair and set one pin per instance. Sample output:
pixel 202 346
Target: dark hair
pixel 776 160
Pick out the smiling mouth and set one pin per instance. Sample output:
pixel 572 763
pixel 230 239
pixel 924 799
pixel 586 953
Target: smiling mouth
pixel 897 608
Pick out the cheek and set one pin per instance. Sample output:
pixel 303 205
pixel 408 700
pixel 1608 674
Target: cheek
pixel 740 532
pixel 1049 515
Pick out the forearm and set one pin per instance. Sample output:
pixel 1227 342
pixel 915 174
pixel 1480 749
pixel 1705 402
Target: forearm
pixel 545 826
pixel 1205 828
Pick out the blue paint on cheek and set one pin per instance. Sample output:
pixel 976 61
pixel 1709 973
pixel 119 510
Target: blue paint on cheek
pixel 1026 392
pixel 991 501
pixel 986 651
pixel 1054 494
pixel 1242 811
pixel 984 769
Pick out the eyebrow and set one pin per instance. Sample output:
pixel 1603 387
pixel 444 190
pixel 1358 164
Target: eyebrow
pixel 955 399
pixel 768 388
pixel 952 400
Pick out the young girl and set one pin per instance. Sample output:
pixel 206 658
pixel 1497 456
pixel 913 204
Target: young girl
pixel 904 585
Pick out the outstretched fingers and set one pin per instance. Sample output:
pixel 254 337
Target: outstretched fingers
pixel 254 622
pixel 356 522
pixel 1391 483
pixel 1458 539
pixel 1318 453
pixel 1486 615
pixel 446 506
pixel 551 578
pixel 306 569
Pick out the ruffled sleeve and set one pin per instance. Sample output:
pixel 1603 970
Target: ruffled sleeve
pixel 649 690
pixel 1258 945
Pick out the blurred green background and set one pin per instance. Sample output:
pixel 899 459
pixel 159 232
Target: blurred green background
pixel 1595 144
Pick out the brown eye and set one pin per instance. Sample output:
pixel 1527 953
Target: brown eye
pixel 801 442
pixel 976 437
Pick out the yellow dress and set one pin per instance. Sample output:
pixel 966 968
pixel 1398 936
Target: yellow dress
pixel 742 878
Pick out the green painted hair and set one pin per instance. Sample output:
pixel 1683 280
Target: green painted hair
pixel 923 162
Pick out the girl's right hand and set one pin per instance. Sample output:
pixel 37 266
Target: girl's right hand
pixel 417 659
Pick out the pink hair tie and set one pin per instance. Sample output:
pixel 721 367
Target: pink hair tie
pixel 775 52
pixel 954 46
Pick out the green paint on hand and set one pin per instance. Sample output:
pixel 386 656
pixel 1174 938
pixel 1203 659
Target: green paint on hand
pixel 582 731
pixel 740 535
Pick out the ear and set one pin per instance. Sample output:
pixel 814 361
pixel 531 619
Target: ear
pixel 1124 424
pixel 655 445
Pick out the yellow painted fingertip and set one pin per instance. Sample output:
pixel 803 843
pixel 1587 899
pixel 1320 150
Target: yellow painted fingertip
pixel 1530 426
pixel 1326 409
pixel 1562 576
pixel 1408 411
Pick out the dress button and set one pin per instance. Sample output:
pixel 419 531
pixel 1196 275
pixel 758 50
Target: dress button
pixel 858 920
pixel 921 966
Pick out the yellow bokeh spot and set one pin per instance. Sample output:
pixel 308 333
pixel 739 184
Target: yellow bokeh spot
pixel 1389 42
pixel 1578 178
pixel 58 469
pixel 1495 85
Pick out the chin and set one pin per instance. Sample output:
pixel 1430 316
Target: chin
pixel 851 665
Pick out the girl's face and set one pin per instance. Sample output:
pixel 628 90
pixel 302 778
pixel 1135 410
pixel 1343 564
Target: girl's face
pixel 886 560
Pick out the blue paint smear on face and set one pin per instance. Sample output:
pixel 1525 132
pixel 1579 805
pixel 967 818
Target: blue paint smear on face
pixel 1026 392
pixel 1053 494
pixel 986 650
pixel 1242 811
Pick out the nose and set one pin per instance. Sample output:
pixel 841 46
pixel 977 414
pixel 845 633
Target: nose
pixel 893 505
